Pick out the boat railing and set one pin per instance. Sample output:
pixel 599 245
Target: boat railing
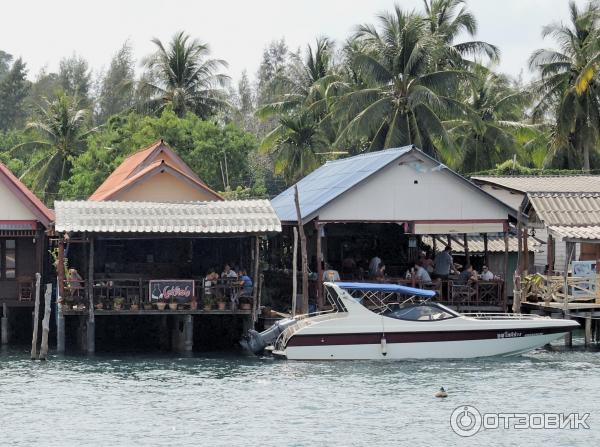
pixel 303 321
pixel 502 316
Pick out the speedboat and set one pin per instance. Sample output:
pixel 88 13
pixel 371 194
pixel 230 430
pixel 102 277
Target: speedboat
pixel 388 321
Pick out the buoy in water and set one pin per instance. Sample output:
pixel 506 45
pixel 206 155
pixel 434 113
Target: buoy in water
pixel 383 346
pixel 441 393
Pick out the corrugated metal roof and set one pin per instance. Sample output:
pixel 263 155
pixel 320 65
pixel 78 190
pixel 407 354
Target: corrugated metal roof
pixel 543 183
pixel 566 209
pixel 239 216
pixel 495 244
pixel 586 233
pixel 330 180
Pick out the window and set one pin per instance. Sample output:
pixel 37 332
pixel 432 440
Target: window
pixel 8 266
pixel 422 312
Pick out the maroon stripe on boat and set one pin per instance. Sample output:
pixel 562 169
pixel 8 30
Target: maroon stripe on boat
pixel 372 338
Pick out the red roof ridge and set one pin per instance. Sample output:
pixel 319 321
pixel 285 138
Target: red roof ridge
pixel 41 211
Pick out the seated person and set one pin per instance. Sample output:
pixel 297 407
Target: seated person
pixel 380 274
pixel 486 274
pixel 210 280
pixel 330 274
pixel 421 274
pixel 228 272
pixel 467 276
pixel 75 281
pixel 246 283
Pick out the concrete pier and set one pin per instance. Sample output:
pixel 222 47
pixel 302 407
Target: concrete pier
pixel 5 325
pixel 60 332
pixel 91 336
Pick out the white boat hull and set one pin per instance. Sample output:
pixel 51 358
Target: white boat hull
pixel 422 350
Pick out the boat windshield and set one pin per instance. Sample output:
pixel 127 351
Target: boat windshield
pixel 421 312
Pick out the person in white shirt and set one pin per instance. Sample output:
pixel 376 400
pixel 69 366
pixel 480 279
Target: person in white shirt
pixel 228 272
pixel 486 275
pixel 374 265
pixel 421 274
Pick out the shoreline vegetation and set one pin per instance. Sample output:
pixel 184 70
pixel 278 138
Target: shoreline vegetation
pixel 404 77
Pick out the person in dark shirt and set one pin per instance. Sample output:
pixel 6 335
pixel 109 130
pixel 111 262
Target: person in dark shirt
pixel 467 275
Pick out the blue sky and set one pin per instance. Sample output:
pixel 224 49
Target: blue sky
pixel 237 30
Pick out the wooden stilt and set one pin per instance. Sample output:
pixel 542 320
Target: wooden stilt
pixel 303 252
pixel 36 318
pixel 5 324
pixel 91 323
pixel 46 322
pixel 588 330
pixel 256 279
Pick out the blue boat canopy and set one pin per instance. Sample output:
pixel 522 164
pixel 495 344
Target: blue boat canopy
pixel 395 288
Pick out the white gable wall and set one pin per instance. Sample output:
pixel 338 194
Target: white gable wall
pixel 392 195
pixel 12 207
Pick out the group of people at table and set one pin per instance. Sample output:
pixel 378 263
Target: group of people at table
pixel 228 279
pixel 426 271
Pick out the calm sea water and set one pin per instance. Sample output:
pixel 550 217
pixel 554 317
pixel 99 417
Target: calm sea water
pixel 238 400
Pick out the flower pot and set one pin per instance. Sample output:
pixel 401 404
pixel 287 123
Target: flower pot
pixel 173 306
pixel 221 305
pixel 99 306
pixel 245 306
pixel 147 306
pixel 208 307
pixel 134 307
pixel 194 305
pixel 161 306
pixel 117 306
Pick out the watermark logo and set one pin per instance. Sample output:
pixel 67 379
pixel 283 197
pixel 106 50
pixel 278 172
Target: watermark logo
pixel 467 420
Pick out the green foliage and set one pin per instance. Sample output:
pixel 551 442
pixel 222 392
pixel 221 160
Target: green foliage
pixel 117 85
pixel 218 154
pixel 13 90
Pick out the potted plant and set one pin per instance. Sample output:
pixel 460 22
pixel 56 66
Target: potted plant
pixel 99 306
pixel 148 306
pixel 208 302
pixel 161 304
pixel 118 303
pixel 173 303
pixel 134 304
pixel 245 303
pixel 221 304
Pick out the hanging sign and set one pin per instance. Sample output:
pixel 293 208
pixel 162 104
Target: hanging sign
pixel 179 290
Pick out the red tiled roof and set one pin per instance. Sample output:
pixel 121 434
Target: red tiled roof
pixel 141 163
pixel 43 214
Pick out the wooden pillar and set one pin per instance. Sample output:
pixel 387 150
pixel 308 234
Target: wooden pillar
pixel 550 250
pixel 320 300
pixel 36 318
pixel 188 333
pixel 91 323
pixel 60 269
pixel 466 244
pixel 46 322
pixel 520 248
pixel 5 328
pixel 256 279
pixel 588 329
pixel 485 250
pixel 303 253
pixel 525 251
pixel 295 273
pixel 504 289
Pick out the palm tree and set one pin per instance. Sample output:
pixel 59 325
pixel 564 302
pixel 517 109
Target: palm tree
pixel 400 99
pixel 569 83
pixel 297 145
pixel 185 78
pixel 493 128
pixel 62 132
pixel 447 20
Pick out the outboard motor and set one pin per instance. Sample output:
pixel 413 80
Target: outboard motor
pixel 256 342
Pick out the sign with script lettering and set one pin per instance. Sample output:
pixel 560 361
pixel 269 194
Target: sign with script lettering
pixel 168 290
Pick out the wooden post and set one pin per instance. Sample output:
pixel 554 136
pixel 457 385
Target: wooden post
pixel 525 252
pixel 466 245
pixel 4 329
pixel 504 291
pixel 91 323
pixel 320 300
pixel 46 322
pixel 60 269
pixel 588 329
pixel 485 250
pixel 520 248
pixel 550 253
pixel 295 273
pixel 256 279
pixel 36 318
pixel 303 252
